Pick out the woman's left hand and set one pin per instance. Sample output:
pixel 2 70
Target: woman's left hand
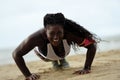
pixel 33 77
pixel 84 71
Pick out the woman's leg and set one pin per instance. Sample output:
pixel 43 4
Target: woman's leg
pixel 55 64
pixel 60 64
pixel 64 63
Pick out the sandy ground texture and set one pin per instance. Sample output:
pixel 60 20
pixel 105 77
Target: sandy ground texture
pixel 106 66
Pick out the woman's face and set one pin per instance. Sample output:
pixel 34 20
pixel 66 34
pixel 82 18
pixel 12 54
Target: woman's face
pixel 54 34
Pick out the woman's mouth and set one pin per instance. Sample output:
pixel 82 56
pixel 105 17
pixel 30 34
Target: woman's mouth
pixel 56 42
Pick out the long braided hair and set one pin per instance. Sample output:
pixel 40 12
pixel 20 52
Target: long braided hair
pixel 68 25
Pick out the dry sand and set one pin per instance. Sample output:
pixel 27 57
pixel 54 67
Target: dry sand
pixel 106 66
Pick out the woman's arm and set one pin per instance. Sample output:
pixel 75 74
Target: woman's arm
pixel 18 54
pixel 26 46
pixel 91 50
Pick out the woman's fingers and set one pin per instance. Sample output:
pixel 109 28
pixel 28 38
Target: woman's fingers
pixel 33 77
pixel 82 72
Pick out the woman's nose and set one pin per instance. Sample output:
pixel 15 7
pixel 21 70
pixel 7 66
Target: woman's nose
pixel 56 37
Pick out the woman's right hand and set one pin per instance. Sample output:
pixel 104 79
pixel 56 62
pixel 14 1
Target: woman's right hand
pixel 33 77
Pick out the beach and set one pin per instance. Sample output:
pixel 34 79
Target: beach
pixel 20 18
pixel 106 66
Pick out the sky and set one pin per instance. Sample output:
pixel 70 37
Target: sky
pixel 20 18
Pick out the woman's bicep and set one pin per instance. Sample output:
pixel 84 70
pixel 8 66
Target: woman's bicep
pixel 86 42
pixel 24 47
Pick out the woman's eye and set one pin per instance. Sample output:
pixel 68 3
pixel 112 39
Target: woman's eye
pixel 59 33
pixel 52 33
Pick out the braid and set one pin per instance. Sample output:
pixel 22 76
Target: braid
pixel 53 19
pixel 68 25
pixel 76 29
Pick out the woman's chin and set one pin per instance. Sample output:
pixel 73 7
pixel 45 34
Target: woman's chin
pixel 55 44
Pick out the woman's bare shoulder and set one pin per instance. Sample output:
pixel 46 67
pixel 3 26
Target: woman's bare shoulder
pixel 37 34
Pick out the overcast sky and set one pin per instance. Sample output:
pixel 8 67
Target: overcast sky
pixel 20 18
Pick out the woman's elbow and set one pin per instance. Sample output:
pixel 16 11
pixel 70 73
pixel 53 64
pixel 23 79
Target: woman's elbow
pixel 92 47
pixel 16 55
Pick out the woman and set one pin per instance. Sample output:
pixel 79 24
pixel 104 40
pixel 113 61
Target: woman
pixel 52 43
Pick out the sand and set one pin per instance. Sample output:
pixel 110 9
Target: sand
pixel 106 66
